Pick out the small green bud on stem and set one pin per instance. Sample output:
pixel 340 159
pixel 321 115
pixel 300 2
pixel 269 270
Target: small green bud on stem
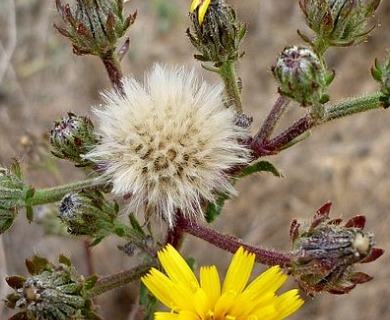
pixel 88 213
pixel 71 137
pixel 302 76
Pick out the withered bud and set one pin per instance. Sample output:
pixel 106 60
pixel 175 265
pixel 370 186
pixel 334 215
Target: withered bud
pixel 324 255
pixel 94 26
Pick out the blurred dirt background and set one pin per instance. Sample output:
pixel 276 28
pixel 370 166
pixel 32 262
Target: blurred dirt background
pixel 345 161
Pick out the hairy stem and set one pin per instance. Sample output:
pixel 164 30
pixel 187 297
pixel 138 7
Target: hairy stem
pixel 175 237
pixel 231 244
pixel 115 73
pixel 49 195
pixel 228 75
pixel 120 279
pixel 330 112
pixel 352 106
pixel 273 117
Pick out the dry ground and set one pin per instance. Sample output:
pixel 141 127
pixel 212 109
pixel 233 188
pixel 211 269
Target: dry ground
pixel 345 161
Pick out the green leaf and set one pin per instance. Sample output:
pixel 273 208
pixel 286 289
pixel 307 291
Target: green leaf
pixel 90 282
pixel 300 138
pixel 191 263
pixel 96 241
pixel 259 167
pixel 4 226
pixel 135 224
pixel 16 169
pixel 37 265
pixel 214 208
pixel 29 213
pixel 29 193
pixel 64 260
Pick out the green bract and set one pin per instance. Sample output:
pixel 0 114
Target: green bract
pixel 338 22
pixel 302 76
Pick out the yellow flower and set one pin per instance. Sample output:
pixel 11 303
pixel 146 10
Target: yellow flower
pixel 202 6
pixel 189 299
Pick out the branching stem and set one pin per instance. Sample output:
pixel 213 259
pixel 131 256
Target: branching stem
pixel 331 112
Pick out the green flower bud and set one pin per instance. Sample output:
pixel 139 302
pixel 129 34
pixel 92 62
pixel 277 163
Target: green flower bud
pixel 94 26
pixel 219 35
pixel 13 192
pixel 71 137
pixel 381 73
pixel 302 76
pixel 88 213
pixel 324 255
pixel 339 22
pixel 51 292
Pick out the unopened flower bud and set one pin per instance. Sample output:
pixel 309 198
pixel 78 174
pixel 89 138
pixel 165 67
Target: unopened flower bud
pixel 71 137
pixel 88 213
pixel 339 22
pixel 13 192
pixel 94 26
pixel 302 76
pixel 51 292
pixel 323 256
pixel 381 73
pixel 216 33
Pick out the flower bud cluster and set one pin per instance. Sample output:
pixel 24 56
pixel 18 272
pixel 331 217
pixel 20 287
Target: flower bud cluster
pixel 324 255
pixel 94 26
pixel 71 137
pixel 51 292
pixel 339 22
pixel 302 76
pixel 216 33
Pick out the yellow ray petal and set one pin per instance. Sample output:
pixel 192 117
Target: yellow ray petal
pixel 210 283
pixel 269 281
pixel 202 10
pixel 288 303
pixel 195 4
pixel 160 285
pixel 177 268
pixel 165 316
pixel 239 271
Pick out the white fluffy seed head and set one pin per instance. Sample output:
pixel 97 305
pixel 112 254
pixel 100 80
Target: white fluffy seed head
pixel 167 145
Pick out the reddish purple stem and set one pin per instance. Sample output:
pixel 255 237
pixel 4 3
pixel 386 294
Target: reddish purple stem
pixel 231 244
pixel 114 73
pixel 273 146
